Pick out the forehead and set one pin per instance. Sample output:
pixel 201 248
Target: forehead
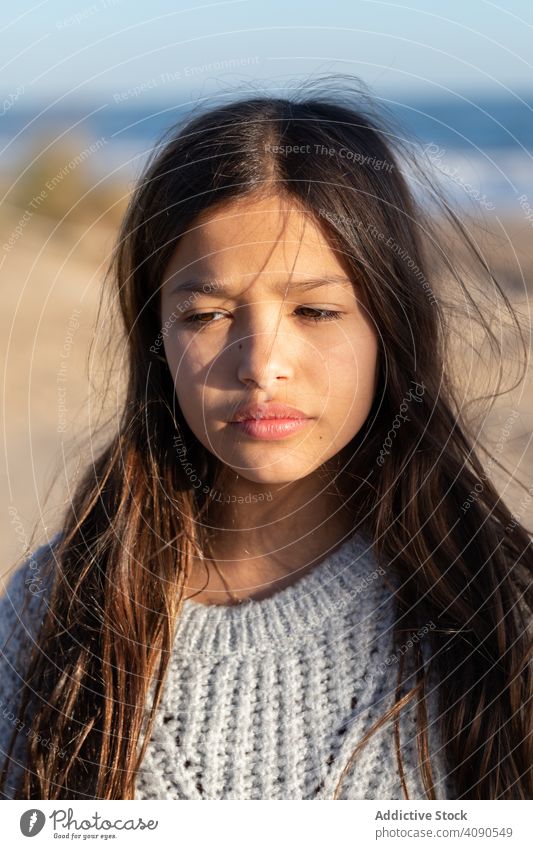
pixel 268 235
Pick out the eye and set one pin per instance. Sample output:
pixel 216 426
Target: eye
pixel 317 315
pixel 321 315
pixel 196 318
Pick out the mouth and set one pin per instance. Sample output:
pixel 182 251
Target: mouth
pixel 270 429
pixel 269 421
pixel 271 410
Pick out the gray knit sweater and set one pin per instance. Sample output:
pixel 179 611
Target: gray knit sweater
pixel 266 699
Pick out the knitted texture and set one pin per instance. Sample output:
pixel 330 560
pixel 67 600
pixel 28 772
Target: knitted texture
pixel 268 698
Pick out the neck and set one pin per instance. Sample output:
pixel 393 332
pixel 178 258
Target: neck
pixel 263 537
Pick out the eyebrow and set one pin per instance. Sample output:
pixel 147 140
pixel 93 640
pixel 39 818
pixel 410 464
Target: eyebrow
pixel 221 287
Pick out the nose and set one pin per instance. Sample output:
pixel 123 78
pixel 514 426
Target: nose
pixel 264 357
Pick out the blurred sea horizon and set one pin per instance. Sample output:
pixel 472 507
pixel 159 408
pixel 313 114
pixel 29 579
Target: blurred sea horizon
pixel 482 147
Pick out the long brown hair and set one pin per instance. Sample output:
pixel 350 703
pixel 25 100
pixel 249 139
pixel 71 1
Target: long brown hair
pixel 134 520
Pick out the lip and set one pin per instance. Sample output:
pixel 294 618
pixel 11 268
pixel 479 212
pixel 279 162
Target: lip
pixel 270 429
pixel 271 410
pixel 270 421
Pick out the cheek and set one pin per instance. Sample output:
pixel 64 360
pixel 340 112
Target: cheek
pixel 349 368
pixel 351 382
pixel 189 373
pixel 192 362
pixel 186 359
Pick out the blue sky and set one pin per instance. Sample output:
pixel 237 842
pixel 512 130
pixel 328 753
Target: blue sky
pixel 89 49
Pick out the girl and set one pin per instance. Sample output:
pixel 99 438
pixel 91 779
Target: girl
pixel 287 574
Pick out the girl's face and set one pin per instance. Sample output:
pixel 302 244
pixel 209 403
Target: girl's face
pixel 256 309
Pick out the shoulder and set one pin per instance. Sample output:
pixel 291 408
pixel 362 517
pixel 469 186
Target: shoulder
pixel 23 592
pixel 23 602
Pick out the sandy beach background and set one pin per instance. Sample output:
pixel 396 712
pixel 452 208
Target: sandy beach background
pixel 52 275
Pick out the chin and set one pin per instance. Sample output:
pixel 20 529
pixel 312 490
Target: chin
pixel 279 472
pixel 266 479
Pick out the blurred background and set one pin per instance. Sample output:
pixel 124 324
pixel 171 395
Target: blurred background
pixel 86 91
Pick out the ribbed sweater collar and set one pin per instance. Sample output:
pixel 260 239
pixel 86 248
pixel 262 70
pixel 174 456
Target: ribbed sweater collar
pixel 345 580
